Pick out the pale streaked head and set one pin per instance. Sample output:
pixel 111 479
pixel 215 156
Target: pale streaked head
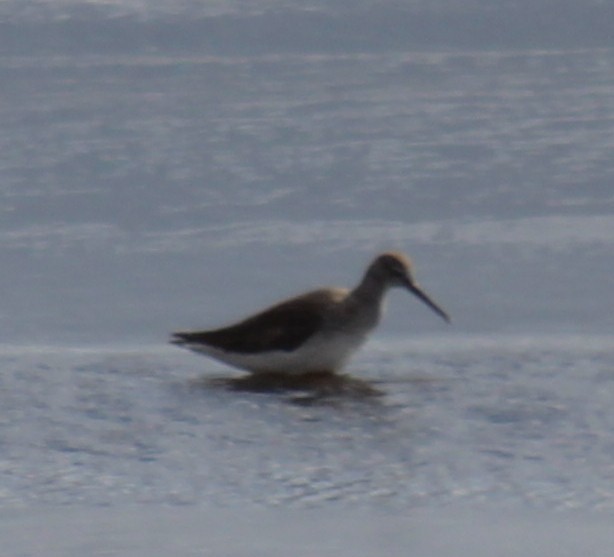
pixel 396 269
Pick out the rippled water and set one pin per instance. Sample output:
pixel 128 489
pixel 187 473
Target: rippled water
pixel 515 421
pixel 132 185
pixel 167 165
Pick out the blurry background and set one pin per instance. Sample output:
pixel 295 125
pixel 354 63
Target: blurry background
pixel 170 164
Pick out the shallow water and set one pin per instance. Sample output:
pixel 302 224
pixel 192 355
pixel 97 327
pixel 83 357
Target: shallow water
pixel 520 422
pixel 139 531
pixel 167 165
pixel 143 193
pixel 476 444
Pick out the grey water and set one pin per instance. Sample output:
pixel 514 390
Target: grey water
pixel 169 165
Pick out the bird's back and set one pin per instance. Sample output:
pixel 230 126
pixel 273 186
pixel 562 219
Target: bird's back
pixel 282 327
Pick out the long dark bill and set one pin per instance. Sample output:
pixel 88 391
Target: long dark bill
pixel 417 291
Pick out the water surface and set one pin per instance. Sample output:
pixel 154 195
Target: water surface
pixel 167 165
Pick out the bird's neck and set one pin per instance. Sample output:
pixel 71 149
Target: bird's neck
pixel 371 290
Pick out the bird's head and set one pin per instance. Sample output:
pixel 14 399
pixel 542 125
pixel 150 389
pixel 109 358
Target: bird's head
pixel 395 269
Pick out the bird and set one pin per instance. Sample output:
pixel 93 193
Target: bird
pixel 313 333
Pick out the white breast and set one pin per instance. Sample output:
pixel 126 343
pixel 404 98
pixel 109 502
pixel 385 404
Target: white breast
pixel 327 352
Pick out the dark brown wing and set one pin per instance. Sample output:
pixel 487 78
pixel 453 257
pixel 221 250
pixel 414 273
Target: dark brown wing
pixel 282 327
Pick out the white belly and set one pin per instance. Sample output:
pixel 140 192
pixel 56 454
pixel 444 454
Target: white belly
pixel 322 353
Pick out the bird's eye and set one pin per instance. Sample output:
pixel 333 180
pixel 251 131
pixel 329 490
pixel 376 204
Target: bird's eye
pixel 398 270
